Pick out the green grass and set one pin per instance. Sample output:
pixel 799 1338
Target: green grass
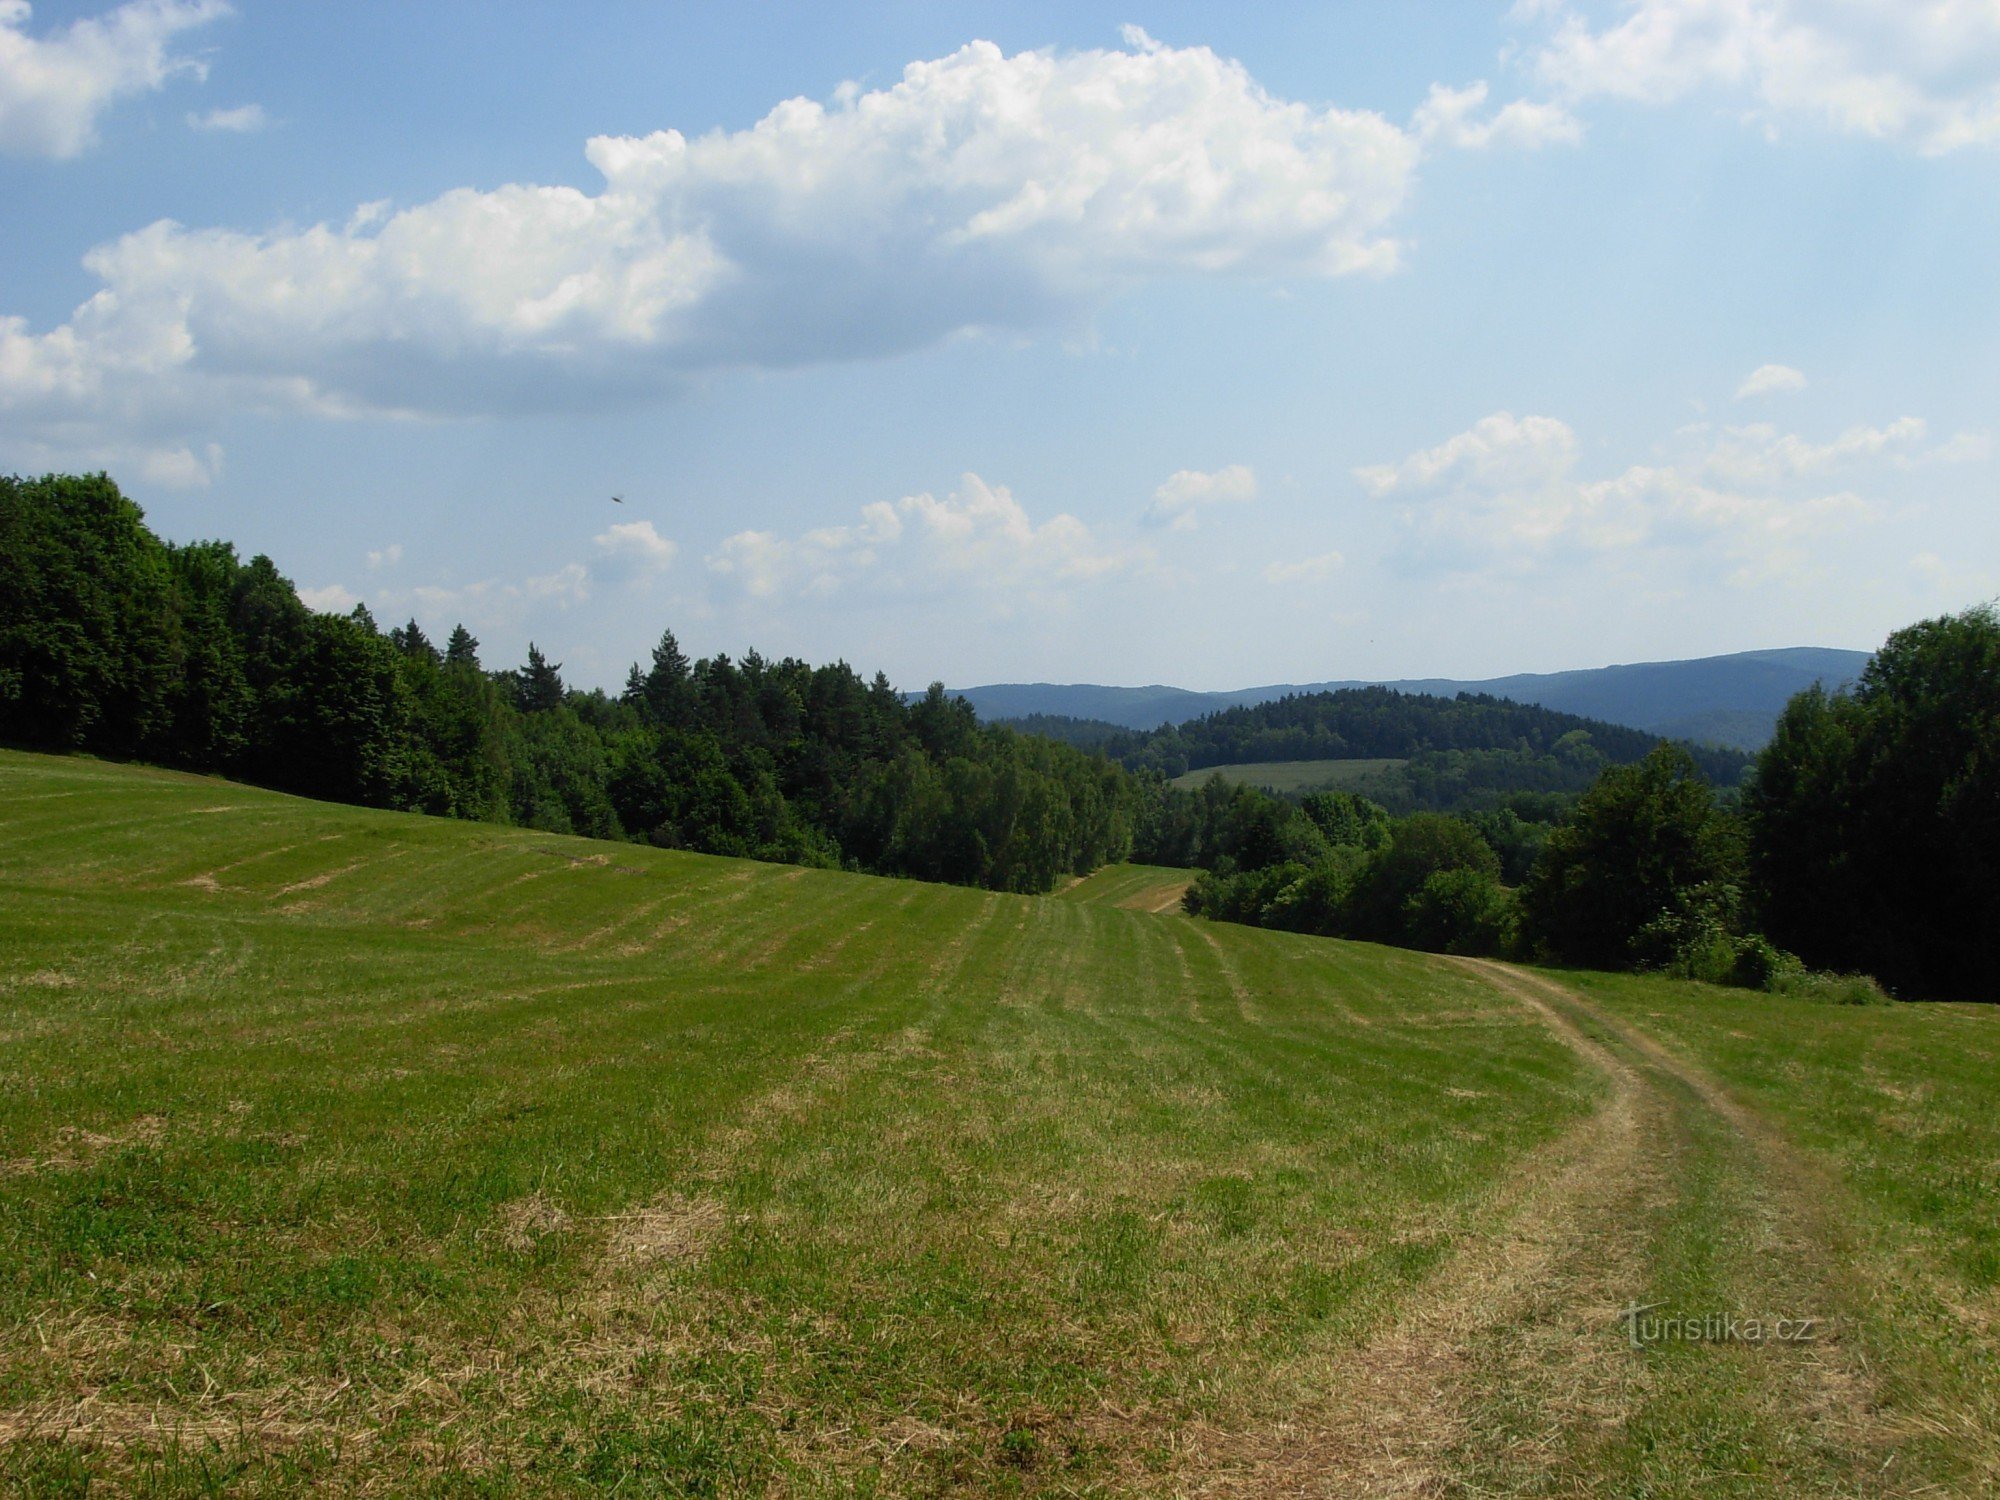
pixel 352 1152
pixel 370 1153
pixel 1896 1110
pixel 1296 775
pixel 1149 888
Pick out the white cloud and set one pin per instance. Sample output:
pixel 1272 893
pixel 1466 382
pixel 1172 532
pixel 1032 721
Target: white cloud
pixel 1952 584
pixel 329 599
pixel 498 601
pixel 979 191
pixel 1448 118
pixel 1768 378
pixel 1926 74
pixel 977 538
pixel 387 557
pixel 1506 494
pixel 244 119
pixel 171 465
pixel 179 468
pixel 1188 491
pixel 1306 569
pixel 54 87
pixel 632 550
pixel 1961 448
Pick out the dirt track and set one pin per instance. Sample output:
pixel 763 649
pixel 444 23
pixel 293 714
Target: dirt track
pixel 1513 1373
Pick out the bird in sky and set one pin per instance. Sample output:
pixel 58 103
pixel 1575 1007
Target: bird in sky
pixel 617 499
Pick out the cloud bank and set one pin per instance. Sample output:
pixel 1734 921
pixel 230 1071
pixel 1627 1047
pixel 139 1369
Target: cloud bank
pixel 1179 502
pixel 977 538
pixel 1506 494
pixel 978 192
pixel 54 88
pixel 1923 74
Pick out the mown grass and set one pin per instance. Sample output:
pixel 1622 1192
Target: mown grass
pixel 377 1154
pixel 1896 1111
pixel 1296 775
pixel 1151 888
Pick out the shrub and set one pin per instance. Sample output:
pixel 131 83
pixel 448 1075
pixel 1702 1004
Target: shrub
pixel 1831 989
pixel 1461 911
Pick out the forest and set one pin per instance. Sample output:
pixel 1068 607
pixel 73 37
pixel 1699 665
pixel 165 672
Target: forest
pixel 116 643
pixel 1463 751
pixel 1865 838
pixel 1862 855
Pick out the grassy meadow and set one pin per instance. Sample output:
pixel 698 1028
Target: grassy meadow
pixel 362 1153
pixel 1295 775
pixel 379 1153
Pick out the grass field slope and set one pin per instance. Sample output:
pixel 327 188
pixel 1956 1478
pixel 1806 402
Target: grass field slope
pixel 1295 775
pixel 364 1153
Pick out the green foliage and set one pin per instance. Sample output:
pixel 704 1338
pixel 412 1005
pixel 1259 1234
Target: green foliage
pixel 87 618
pixel 112 642
pixel 1459 752
pixel 1425 881
pixel 1460 911
pixel 1646 861
pixel 1874 816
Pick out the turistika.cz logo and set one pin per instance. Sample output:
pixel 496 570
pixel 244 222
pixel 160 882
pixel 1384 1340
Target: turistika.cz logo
pixel 1645 1325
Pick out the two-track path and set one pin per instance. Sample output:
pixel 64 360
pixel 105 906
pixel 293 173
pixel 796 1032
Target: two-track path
pixel 1510 1373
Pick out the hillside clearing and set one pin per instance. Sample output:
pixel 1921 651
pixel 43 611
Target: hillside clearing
pixel 1296 775
pixel 373 1154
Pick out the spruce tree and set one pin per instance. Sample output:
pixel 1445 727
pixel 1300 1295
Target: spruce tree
pixel 462 649
pixel 538 687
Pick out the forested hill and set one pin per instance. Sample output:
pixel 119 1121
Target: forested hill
pixel 115 642
pixel 1725 700
pixel 1377 722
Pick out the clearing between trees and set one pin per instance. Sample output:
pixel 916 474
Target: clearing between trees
pixel 379 1154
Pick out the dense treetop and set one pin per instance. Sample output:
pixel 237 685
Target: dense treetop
pixel 1379 723
pixel 115 642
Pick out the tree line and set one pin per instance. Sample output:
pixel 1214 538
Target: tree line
pixel 117 643
pixel 1865 842
pixel 1381 723
pixel 1866 836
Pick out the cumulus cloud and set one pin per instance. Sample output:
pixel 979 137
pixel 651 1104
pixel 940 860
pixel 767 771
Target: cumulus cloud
pixel 1961 448
pixel 1507 493
pixel 977 191
pixel 329 599
pixel 55 87
pixel 168 464
pixel 629 553
pixel 1450 117
pixel 1187 492
pixel 244 119
pixel 1768 378
pixel 979 538
pixel 1923 74
pixel 1306 569
pixel 1759 454
pixel 497 600
pixel 632 550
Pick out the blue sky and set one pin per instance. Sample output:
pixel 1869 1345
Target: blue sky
pixel 1199 344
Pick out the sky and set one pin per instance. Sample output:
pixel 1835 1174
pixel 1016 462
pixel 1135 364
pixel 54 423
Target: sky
pixel 1207 345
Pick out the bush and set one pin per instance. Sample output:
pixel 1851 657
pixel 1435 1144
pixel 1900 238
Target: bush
pixel 1461 911
pixel 1831 989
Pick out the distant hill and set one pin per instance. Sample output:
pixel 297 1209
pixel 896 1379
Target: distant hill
pixel 1426 751
pixel 1725 700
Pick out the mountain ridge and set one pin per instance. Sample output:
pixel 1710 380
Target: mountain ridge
pixel 1732 699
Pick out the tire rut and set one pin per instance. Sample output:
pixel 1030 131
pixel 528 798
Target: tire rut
pixel 1533 1301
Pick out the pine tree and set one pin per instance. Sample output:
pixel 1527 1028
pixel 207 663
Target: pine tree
pixel 666 692
pixel 411 641
pixel 462 650
pixel 538 687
